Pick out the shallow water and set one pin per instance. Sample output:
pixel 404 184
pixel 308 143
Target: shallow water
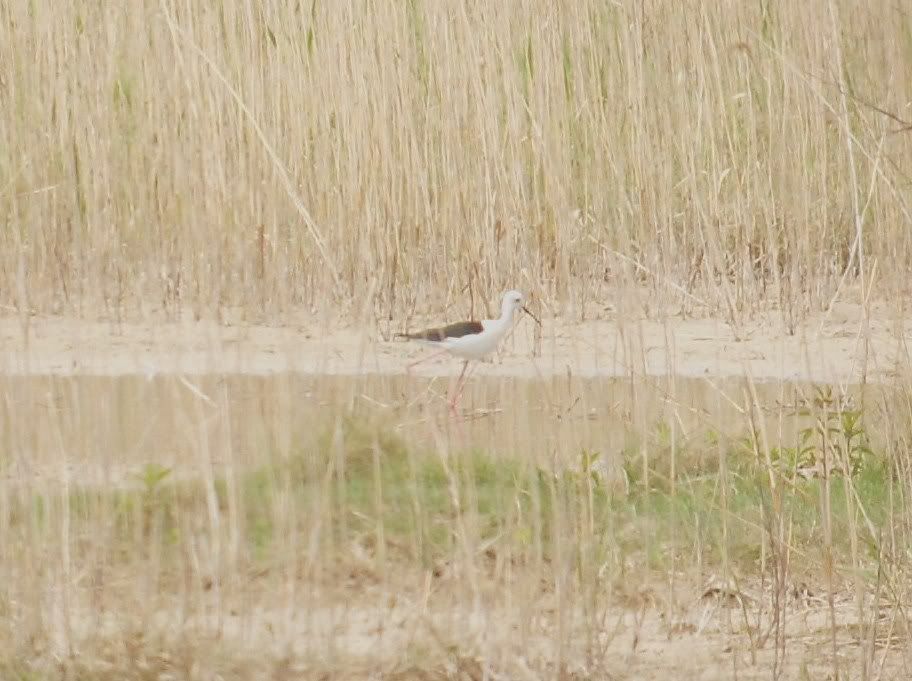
pixel 105 429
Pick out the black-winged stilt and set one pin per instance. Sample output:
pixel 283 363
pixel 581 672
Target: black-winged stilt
pixel 470 340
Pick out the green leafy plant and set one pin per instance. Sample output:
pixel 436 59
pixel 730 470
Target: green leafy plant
pixel 151 477
pixel 834 442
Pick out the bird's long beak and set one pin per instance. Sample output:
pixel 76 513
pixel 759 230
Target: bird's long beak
pixel 526 310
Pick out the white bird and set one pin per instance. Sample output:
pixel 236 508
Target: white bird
pixel 470 340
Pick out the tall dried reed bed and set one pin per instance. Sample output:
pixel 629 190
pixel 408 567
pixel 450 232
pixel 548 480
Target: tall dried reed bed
pixel 165 155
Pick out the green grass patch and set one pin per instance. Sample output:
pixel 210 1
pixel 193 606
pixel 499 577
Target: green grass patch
pixel 360 483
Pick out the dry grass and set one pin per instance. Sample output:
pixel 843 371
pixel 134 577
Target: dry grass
pixel 263 161
pixel 159 156
pixel 233 526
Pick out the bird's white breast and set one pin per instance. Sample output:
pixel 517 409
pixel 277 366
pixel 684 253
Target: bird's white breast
pixel 479 345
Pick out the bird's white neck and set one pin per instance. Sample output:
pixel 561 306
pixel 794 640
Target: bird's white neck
pixel 506 317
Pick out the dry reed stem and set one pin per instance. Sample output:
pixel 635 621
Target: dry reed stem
pixel 162 157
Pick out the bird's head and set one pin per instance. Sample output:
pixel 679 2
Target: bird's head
pixel 513 301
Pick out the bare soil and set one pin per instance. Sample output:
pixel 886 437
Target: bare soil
pixel 850 344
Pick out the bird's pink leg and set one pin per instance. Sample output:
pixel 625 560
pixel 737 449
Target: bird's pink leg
pixel 467 370
pixel 460 384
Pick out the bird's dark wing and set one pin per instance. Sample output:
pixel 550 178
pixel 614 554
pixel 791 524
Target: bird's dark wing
pixel 457 330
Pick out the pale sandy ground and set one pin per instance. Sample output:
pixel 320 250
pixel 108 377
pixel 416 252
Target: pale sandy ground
pixel 845 346
pixel 702 635
pixel 709 641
